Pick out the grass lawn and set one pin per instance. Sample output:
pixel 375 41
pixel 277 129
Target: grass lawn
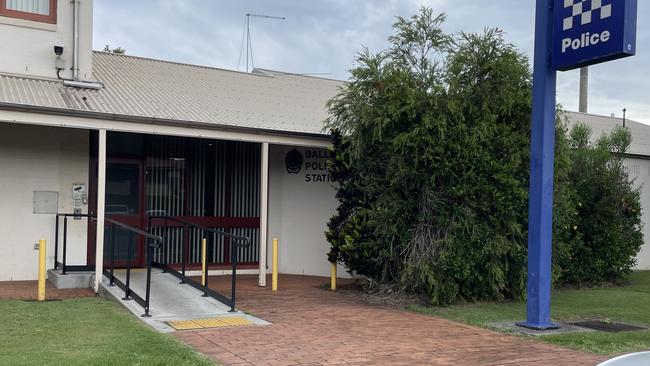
pixel 87 331
pixel 628 304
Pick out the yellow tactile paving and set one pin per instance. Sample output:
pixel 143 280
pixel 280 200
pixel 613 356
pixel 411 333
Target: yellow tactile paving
pixel 208 323
pixel 233 320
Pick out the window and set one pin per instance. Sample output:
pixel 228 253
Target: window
pixel 35 10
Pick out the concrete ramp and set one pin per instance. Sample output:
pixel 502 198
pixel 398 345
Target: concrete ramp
pixel 172 301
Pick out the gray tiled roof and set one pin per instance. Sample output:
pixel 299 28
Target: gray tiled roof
pixel 601 124
pixel 141 87
pixel 264 99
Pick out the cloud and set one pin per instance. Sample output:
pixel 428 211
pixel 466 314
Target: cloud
pixel 324 36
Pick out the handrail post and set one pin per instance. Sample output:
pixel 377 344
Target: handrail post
pixel 149 228
pixel 148 288
pixel 184 251
pixel 56 242
pixel 65 243
pixel 164 247
pixel 127 288
pixel 233 284
pixel 112 283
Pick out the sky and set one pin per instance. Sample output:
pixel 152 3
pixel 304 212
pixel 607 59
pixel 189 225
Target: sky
pixel 323 36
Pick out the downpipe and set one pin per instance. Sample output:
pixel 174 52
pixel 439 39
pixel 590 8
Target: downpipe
pixel 76 4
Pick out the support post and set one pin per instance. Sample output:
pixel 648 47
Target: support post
pixel 264 211
pixel 101 201
pixel 333 279
pixel 274 278
pixel 42 250
pixel 540 210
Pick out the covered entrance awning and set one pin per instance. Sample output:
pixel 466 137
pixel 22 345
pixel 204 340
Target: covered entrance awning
pixel 213 183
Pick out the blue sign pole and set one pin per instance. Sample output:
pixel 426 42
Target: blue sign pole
pixel 568 34
pixel 540 210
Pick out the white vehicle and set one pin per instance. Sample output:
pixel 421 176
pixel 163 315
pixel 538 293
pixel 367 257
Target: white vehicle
pixel 633 359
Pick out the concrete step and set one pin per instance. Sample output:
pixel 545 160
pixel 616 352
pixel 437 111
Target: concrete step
pixel 70 279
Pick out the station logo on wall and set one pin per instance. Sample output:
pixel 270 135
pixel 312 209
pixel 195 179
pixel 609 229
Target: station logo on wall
pixel 293 161
pixel 314 163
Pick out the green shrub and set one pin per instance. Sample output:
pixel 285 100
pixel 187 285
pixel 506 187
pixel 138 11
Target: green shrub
pixel 603 233
pixel 431 157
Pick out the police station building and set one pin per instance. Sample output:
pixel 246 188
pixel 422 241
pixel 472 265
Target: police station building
pixel 105 136
pixel 88 139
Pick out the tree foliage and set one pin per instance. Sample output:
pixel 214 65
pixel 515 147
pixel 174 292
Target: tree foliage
pixel 118 50
pixel 431 154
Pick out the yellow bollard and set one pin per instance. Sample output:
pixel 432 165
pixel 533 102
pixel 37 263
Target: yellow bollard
pixel 41 269
pixel 333 280
pixel 275 264
pixel 204 256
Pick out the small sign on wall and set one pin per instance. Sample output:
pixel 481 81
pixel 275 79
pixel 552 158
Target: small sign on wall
pixel 78 191
pixel 46 202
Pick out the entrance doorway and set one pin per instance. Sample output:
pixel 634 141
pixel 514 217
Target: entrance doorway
pixel 124 203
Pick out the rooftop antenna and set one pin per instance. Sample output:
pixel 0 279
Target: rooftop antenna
pixel 247 37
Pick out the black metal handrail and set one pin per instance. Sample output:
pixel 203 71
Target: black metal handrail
pixel 63 264
pixel 153 241
pixel 238 241
pixel 128 292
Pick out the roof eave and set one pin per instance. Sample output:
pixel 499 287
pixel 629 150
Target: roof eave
pixel 155 121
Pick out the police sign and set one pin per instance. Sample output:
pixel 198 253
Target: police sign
pixel 588 32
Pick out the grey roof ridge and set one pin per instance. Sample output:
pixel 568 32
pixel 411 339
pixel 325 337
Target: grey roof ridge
pixel 265 71
pixel 181 63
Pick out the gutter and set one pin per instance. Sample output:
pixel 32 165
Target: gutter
pixel 636 156
pixel 155 121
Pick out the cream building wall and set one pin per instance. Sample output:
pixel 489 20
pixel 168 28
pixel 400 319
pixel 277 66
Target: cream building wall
pixel 300 205
pixel 27 47
pixel 38 159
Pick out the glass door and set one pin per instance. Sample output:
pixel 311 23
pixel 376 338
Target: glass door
pixel 124 200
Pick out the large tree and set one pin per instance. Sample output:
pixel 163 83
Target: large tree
pixel 431 157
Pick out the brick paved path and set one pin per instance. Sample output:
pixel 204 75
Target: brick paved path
pixel 28 290
pixel 312 326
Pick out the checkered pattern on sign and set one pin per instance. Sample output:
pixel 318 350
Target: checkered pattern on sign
pixel 583 11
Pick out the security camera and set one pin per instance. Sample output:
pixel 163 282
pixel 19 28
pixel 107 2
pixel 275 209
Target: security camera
pixel 58 49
